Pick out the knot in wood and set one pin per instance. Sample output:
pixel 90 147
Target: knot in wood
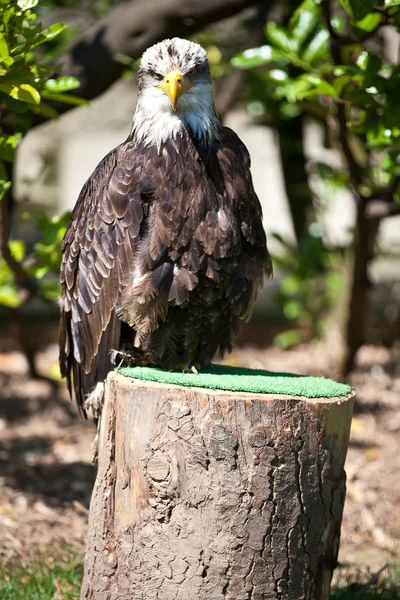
pixel 223 444
pixel 158 467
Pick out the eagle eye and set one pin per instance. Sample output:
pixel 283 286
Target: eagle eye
pixel 192 71
pixel 157 76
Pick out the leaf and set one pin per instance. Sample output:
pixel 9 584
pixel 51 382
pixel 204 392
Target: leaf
pixel 54 30
pixel 280 37
pixel 46 110
pixel 4 186
pixel 292 337
pixel 320 88
pixel 67 98
pixel 370 22
pixel 8 61
pixel 339 83
pixel 27 4
pixel 362 60
pixel 292 310
pixel 277 75
pixel 256 57
pixel 8 145
pixel 390 3
pixel 26 93
pixel 305 86
pixel 304 21
pixel 3 47
pixel 317 47
pixel 17 249
pixel 48 34
pixel 380 136
pixel 290 286
pixel 62 84
pixel 333 178
pixel 9 296
pixel 357 9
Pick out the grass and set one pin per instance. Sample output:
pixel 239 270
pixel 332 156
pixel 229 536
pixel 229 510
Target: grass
pixel 46 577
pixel 58 577
pixel 384 585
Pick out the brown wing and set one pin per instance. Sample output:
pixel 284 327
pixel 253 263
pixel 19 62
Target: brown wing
pixel 97 261
pixel 254 261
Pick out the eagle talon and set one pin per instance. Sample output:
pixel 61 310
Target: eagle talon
pixel 95 400
pixel 119 358
pixel 189 368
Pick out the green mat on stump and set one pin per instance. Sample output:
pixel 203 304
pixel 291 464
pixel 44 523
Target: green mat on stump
pixel 236 379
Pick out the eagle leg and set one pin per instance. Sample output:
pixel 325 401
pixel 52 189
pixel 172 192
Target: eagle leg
pixel 189 368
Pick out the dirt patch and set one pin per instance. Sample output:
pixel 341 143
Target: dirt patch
pixel 45 473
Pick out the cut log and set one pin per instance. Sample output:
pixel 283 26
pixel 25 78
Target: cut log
pixel 205 494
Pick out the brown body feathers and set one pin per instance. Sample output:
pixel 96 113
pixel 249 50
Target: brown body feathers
pixel 164 255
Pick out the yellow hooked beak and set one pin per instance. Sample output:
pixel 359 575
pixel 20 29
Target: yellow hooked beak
pixel 174 87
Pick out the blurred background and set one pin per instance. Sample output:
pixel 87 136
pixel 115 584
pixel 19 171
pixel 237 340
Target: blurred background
pixel 312 88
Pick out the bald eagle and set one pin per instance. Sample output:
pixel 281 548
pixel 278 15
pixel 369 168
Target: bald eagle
pixel 165 251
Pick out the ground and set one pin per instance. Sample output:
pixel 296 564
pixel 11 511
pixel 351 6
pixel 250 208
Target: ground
pixel 45 450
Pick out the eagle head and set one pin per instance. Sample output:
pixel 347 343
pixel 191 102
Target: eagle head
pixel 175 93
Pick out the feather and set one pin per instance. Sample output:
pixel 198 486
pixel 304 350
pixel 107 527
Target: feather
pixel 161 276
pixel 119 201
pixel 177 294
pixel 186 279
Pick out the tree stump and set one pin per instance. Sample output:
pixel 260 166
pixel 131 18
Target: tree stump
pixel 211 494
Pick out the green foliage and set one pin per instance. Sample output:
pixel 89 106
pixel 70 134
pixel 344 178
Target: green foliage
pixel 26 87
pixel 9 296
pixel 316 63
pixel 310 285
pixel 45 261
pixel 299 70
pixel 358 592
pixel 25 84
pixel 47 577
pixel 385 586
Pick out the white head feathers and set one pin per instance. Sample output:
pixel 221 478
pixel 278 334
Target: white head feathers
pixel 155 121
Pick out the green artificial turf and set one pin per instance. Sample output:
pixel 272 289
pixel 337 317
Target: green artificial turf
pixel 235 379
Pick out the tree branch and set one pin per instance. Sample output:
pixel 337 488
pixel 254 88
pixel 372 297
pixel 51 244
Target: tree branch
pixel 129 29
pixel 385 194
pixel 353 166
pixel 379 209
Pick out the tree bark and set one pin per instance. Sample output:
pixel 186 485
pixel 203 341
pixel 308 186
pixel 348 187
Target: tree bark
pixel 204 494
pixel 298 191
pixel 357 315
